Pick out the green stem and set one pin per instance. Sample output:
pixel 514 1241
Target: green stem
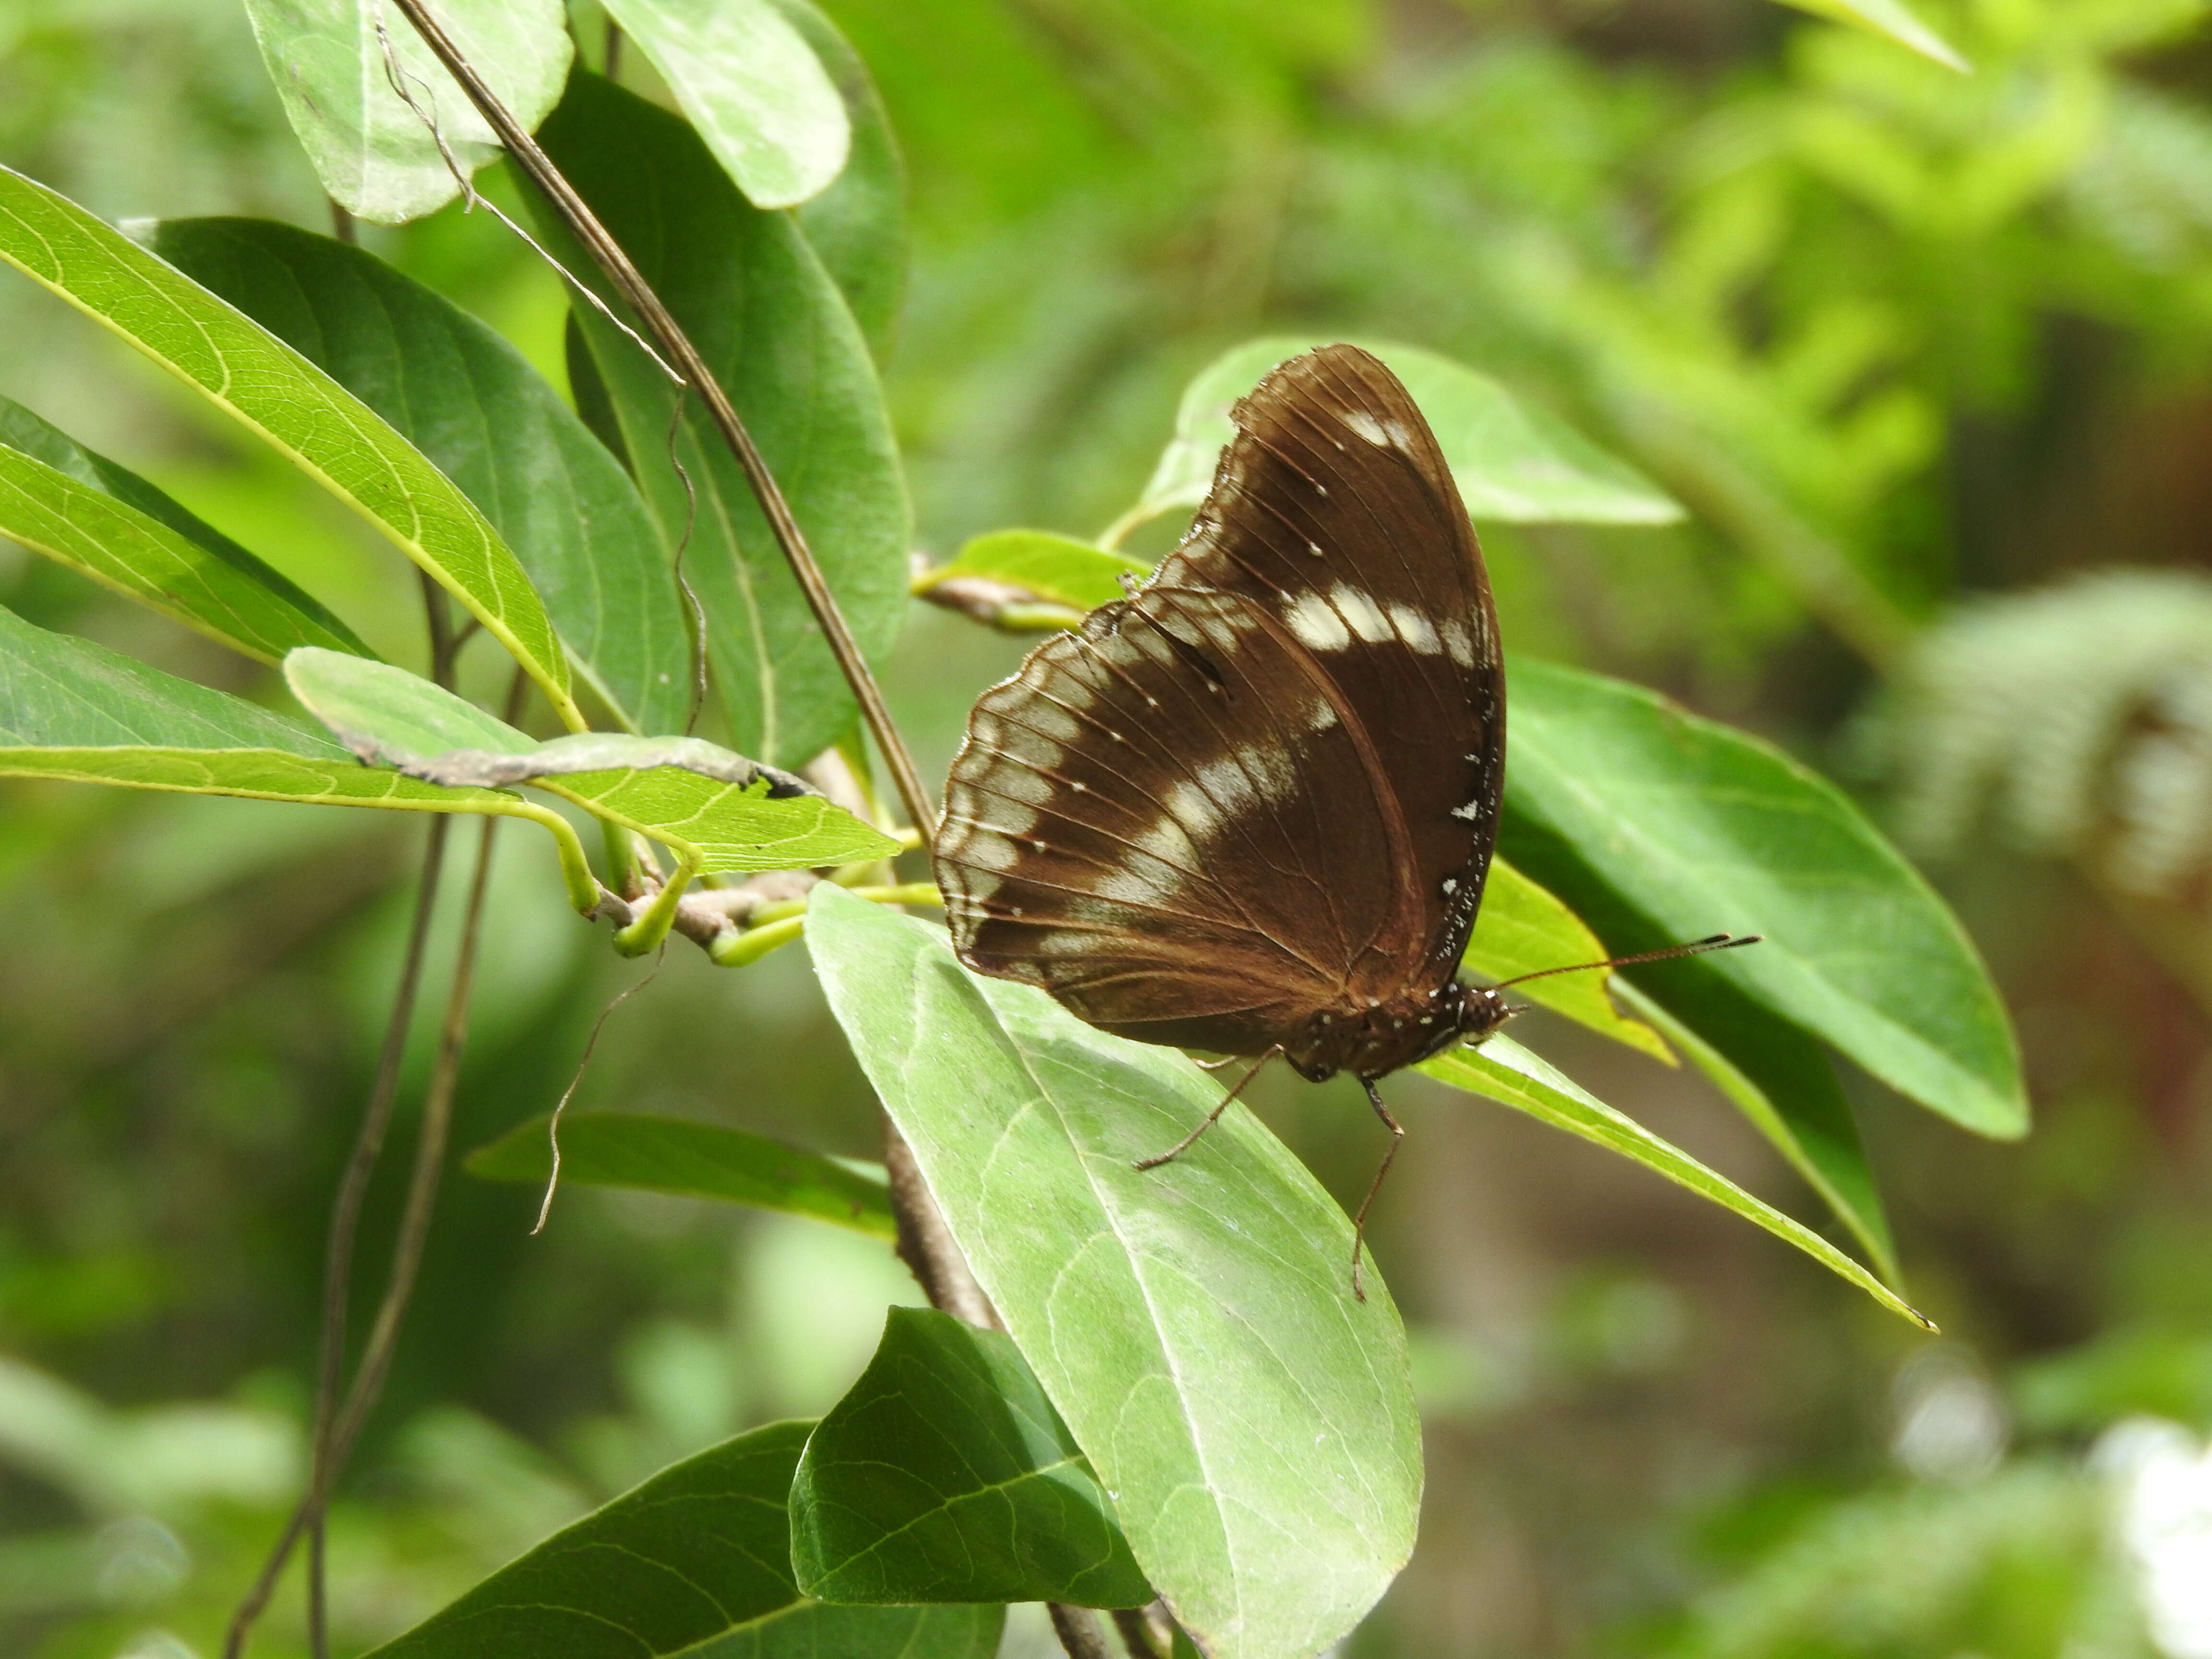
pixel 621 859
pixel 776 925
pixel 575 868
pixel 648 931
pixel 743 949
pixel 1115 534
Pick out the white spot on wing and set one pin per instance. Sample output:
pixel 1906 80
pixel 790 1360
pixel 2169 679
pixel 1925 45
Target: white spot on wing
pixel 1166 838
pixel 1066 688
pixel 1367 427
pixel 1016 781
pixel 1192 810
pixel 987 852
pixel 1459 644
pixel 1413 627
pixel 1051 721
pixel 1132 886
pixel 1317 627
pixel 1471 811
pixel 1364 615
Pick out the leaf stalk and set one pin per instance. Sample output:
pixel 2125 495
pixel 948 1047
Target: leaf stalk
pixel 615 264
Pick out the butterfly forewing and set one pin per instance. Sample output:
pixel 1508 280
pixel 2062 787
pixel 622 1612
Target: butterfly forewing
pixel 1266 787
pixel 1335 505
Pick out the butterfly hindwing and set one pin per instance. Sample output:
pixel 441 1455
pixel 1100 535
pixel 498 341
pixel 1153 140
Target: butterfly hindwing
pixel 1142 822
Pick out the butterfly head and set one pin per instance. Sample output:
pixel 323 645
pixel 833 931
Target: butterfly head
pixel 1482 1009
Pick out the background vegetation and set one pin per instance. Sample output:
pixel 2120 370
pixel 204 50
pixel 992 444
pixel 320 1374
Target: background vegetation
pixel 1906 342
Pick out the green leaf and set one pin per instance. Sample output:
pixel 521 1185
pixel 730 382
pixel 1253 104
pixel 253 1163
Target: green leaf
pixel 1513 462
pixel 387 716
pixel 280 396
pixel 715 808
pixel 1782 1081
pixel 698 1555
pixel 375 157
pixel 777 335
pixel 858 225
pixel 83 510
pixel 1523 929
pixel 1889 18
pixel 72 709
pixel 1503 1071
pixel 945 1475
pixel 1697 829
pixel 468 400
pixel 1195 1325
pixel 753 87
pixel 1055 569
pixel 690 1160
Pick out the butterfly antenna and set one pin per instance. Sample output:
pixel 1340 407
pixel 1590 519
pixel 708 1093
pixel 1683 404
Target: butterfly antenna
pixel 1360 1221
pixel 1695 948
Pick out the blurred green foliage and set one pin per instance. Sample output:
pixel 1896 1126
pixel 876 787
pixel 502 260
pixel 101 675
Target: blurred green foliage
pixel 1894 335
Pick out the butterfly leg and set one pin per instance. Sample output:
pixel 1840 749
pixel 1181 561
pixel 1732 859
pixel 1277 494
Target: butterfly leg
pixel 1360 1221
pixel 1183 1145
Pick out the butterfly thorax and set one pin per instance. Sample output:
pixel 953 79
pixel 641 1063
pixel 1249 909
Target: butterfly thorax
pixel 1385 1036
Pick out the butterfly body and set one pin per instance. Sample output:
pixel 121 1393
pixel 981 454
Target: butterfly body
pixel 1373 1042
pixel 1250 809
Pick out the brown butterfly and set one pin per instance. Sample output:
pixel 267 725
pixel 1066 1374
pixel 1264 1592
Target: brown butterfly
pixel 1250 809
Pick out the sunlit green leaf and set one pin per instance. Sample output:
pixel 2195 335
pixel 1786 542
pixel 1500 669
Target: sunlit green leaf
pixel 945 1475
pixel 1783 1081
pixel 1695 829
pixel 1058 569
pixel 1513 462
pixel 279 395
pixel 690 1160
pixel 387 716
pixel 72 709
pixel 1523 929
pixel 374 155
pixel 696 1561
pixel 1195 1325
pixel 717 808
pixel 858 225
pixel 1505 1072
pixel 58 498
pixel 1891 18
pixel 778 335
pixel 753 87
pixel 466 399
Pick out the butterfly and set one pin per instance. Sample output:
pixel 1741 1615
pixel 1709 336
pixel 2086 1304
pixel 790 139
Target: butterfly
pixel 1250 809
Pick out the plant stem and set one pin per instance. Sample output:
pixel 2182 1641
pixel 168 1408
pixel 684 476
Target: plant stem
pixel 926 1244
pixel 430 1164
pixel 345 1234
pixel 1138 1634
pixel 1077 1630
pixel 353 1188
pixel 607 253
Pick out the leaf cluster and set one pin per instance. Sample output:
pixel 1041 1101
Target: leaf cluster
pixel 1186 1401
